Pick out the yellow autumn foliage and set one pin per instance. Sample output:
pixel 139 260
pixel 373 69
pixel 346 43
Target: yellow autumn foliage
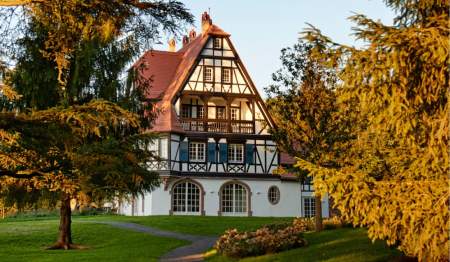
pixel 395 176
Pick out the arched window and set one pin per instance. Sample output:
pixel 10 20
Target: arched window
pixel 186 198
pixel 234 198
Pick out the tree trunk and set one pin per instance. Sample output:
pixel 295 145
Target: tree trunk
pixel 65 224
pixel 318 213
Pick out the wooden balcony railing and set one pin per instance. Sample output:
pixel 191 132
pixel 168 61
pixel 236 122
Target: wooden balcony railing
pixel 218 125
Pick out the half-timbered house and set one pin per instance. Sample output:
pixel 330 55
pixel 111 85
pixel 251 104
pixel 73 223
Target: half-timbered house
pixel 217 156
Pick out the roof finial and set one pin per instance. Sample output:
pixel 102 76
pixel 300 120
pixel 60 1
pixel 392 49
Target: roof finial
pixel 185 40
pixel 172 45
pixel 192 34
pixel 206 22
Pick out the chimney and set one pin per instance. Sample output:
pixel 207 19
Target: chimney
pixel 206 22
pixel 192 34
pixel 172 45
pixel 185 40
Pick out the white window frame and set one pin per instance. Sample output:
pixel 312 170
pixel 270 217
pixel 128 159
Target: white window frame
pixel 221 112
pixel 273 194
pixel 234 113
pixel 153 146
pixel 309 207
pixel 228 79
pixel 186 197
pixel 236 153
pixel 234 199
pixel 208 74
pixel 200 111
pixel 197 151
pixel 217 43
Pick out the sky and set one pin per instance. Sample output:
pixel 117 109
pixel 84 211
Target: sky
pixel 261 28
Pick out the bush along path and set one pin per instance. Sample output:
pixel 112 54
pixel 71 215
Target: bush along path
pixel 192 252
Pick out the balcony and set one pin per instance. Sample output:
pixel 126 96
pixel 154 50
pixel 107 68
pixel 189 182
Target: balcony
pixel 218 126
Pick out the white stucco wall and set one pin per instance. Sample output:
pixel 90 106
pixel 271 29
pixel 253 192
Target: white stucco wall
pixel 290 205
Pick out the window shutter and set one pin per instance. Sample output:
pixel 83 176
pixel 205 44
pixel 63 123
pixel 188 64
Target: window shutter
pixel 249 149
pixel 212 152
pixel 223 148
pixel 184 156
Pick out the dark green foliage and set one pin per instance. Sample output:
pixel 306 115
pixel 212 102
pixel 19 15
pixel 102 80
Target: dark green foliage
pixel 303 103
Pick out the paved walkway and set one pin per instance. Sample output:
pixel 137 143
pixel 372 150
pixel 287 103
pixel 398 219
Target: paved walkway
pixel 191 252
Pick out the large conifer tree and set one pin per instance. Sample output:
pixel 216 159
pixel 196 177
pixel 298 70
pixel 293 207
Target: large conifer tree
pixel 71 125
pixel 394 177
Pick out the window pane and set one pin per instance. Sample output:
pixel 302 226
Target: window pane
pixel 208 74
pixel 179 193
pixel 274 194
pixel 185 111
pixel 309 206
pixel 226 75
pixel 201 112
pixel 196 151
pixel 236 153
pixel 220 113
pixel 234 113
pixel 234 199
pixel 227 198
pixel 217 43
pixel 186 198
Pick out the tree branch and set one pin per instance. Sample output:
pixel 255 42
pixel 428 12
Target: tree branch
pixel 18 2
pixel 20 174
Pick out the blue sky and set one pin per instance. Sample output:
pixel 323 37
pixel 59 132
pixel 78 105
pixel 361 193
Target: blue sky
pixel 261 28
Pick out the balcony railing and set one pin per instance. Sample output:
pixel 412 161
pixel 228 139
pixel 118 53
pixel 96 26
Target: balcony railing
pixel 218 125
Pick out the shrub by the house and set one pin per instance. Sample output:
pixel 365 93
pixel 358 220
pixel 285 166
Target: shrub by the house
pixel 270 238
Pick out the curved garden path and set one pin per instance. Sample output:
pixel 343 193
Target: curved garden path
pixel 192 252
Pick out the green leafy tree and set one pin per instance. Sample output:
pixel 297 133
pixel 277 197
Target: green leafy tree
pixel 303 104
pixel 70 126
pixel 394 179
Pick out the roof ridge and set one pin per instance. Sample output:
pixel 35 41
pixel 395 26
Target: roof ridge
pixel 162 52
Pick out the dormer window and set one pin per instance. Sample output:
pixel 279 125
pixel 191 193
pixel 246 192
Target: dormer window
pixel 217 43
pixel 208 74
pixel 226 75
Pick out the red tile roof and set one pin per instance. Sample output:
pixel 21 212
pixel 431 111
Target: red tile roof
pixel 289 176
pixel 167 121
pixel 160 66
pixel 168 71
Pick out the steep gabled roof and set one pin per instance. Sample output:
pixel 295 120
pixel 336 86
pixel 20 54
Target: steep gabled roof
pixel 168 71
pixel 160 67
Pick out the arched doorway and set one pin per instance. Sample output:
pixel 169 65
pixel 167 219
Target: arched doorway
pixel 235 199
pixel 187 198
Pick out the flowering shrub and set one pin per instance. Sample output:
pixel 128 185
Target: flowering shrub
pixel 304 223
pixel 268 239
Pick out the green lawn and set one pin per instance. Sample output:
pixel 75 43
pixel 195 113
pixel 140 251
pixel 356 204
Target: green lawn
pixel 339 245
pixel 26 241
pixel 197 225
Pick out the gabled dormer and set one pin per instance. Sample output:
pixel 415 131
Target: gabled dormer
pixel 218 95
